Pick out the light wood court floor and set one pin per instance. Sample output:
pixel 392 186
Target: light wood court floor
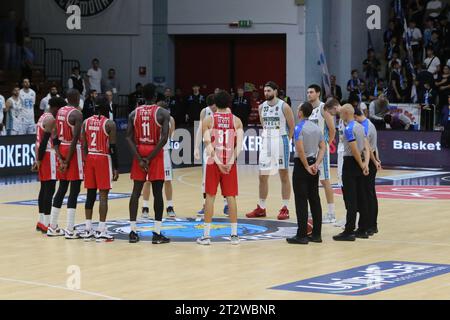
pixel 36 267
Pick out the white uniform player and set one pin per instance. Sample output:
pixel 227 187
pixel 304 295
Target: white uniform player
pixel 318 118
pixel 208 113
pixel 13 120
pixel 2 109
pixel 28 97
pixel 340 150
pixel 168 175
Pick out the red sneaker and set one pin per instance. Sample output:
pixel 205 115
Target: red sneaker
pixel 41 227
pixel 257 213
pixel 284 214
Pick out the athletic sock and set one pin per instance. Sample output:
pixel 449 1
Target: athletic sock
pixel 88 225
pixel 101 226
pixel 133 226
pixel 285 203
pixel 234 229
pixel 46 220
pixel 70 219
pixel 145 204
pixel 225 201
pixel 262 203
pixel 54 216
pixel 331 209
pixel 41 218
pixel 158 227
pixel 207 229
pixel 169 203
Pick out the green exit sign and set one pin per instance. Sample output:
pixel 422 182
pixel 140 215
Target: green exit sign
pixel 241 24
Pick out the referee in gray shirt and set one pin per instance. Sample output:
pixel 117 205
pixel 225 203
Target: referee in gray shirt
pixel 374 165
pixel 355 168
pixel 309 152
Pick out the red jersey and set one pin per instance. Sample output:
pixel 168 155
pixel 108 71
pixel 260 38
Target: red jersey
pixel 147 130
pixel 40 131
pixel 63 127
pixel 97 139
pixel 223 136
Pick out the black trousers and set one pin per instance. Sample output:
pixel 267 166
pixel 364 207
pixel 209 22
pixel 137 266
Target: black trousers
pixel 372 199
pixel 355 195
pixel 306 189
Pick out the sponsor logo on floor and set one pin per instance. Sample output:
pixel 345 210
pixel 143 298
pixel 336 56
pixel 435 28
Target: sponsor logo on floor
pixel 368 279
pixel 188 230
pixel 81 199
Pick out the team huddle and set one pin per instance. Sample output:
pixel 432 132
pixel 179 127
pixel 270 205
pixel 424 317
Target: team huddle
pixel 70 150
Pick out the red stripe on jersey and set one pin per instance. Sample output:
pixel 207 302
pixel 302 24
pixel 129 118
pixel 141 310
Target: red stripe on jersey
pixel 40 131
pixel 223 136
pixel 63 127
pixel 147 130
pixel 97 139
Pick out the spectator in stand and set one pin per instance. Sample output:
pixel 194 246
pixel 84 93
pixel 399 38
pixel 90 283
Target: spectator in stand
pixel 2 115
pixel 194 105
pixel 95 76
pixel 444 35
pixel 377 90
pixel 398 121
pixel 336 91
pixel 415 36
pixel 355 101
pixel 282 96
pixel 377 110
pixel 435 43
pixel 109 95
pixel 371 67
pixel 255 102
pixel 180 108
pixel 136 98
pixel 112 83
pixel 172 105
pixel 43 106
pixel 416 11
pixel 429 28
pixel 443 85
pixel 392 48
pixel 395 57
pixel 432 63
pixel 354 82
pixel 76 81
pixel 89 105
pixel 397 83
pixel 389 33
pixel 241 107
pixel 434 8
pixel 364 93
pixel 422 74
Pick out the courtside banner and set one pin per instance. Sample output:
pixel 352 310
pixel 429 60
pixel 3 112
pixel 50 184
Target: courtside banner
pixel 17 154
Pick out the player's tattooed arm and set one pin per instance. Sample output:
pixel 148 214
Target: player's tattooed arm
pixel 76 120
pixel 289 115
pixel 163 118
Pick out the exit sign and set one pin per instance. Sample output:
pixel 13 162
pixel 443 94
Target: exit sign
pixel 241 24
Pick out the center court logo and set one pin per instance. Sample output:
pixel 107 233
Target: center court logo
pixel 188 230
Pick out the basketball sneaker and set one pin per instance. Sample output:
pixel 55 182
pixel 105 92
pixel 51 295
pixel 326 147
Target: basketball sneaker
pixel 57 232
pixel 41 228
pixel 133 237
pixel 200 214
pixel 284 214
pixel 87 235
pixel 329 219
pixel 361 234
pixel 171 212
pixel 103 237
pixel 71 234
pixel 204 241
pixel 235 240
pixel 257 213
pixel 145 213
pixel 159 239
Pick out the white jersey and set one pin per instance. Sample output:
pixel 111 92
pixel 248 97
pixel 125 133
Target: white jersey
pixel 208 112
pixel 167 145
pixel 13 117
pixel 341 128
pixel 318 119
pixel 273 120
pixel 28 100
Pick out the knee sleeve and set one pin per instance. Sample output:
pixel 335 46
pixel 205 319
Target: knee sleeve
pixel 90 199
pixel 59 196
pixel 75 187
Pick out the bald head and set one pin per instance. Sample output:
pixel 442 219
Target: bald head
pixel 347 112
pixel 73 97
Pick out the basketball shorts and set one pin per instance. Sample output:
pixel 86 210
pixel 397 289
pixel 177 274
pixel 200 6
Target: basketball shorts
pixel 155 168
pixel 168 173
pixel 274 154
pixel 47 170
pixel 228 182
pixel 75 170
pixel 98 173
pixel 325 166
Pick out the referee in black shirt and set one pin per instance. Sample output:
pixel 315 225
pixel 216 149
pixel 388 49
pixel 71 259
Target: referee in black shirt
pixel 355 168
pixel 309 152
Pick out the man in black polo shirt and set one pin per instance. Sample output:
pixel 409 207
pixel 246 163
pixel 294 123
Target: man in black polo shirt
pixel 194 105
pixel 241 107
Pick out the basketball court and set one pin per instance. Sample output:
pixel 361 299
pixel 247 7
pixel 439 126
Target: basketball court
pixel 414 206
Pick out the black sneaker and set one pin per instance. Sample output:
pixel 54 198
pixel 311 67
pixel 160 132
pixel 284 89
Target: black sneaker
pixel 134 237
pixel 297 240
pixel 370 232
pixel 344 236
pixel 361 234
pixel 159 239
pixel 315 239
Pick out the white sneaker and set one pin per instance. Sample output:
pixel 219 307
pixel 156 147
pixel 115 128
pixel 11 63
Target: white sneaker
pixel 235 240
pixel 57 232
pixel 87 235
pixel 71 234
pixel 204 241
pixel 103 237
pixel 340 224
pixel 329 219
